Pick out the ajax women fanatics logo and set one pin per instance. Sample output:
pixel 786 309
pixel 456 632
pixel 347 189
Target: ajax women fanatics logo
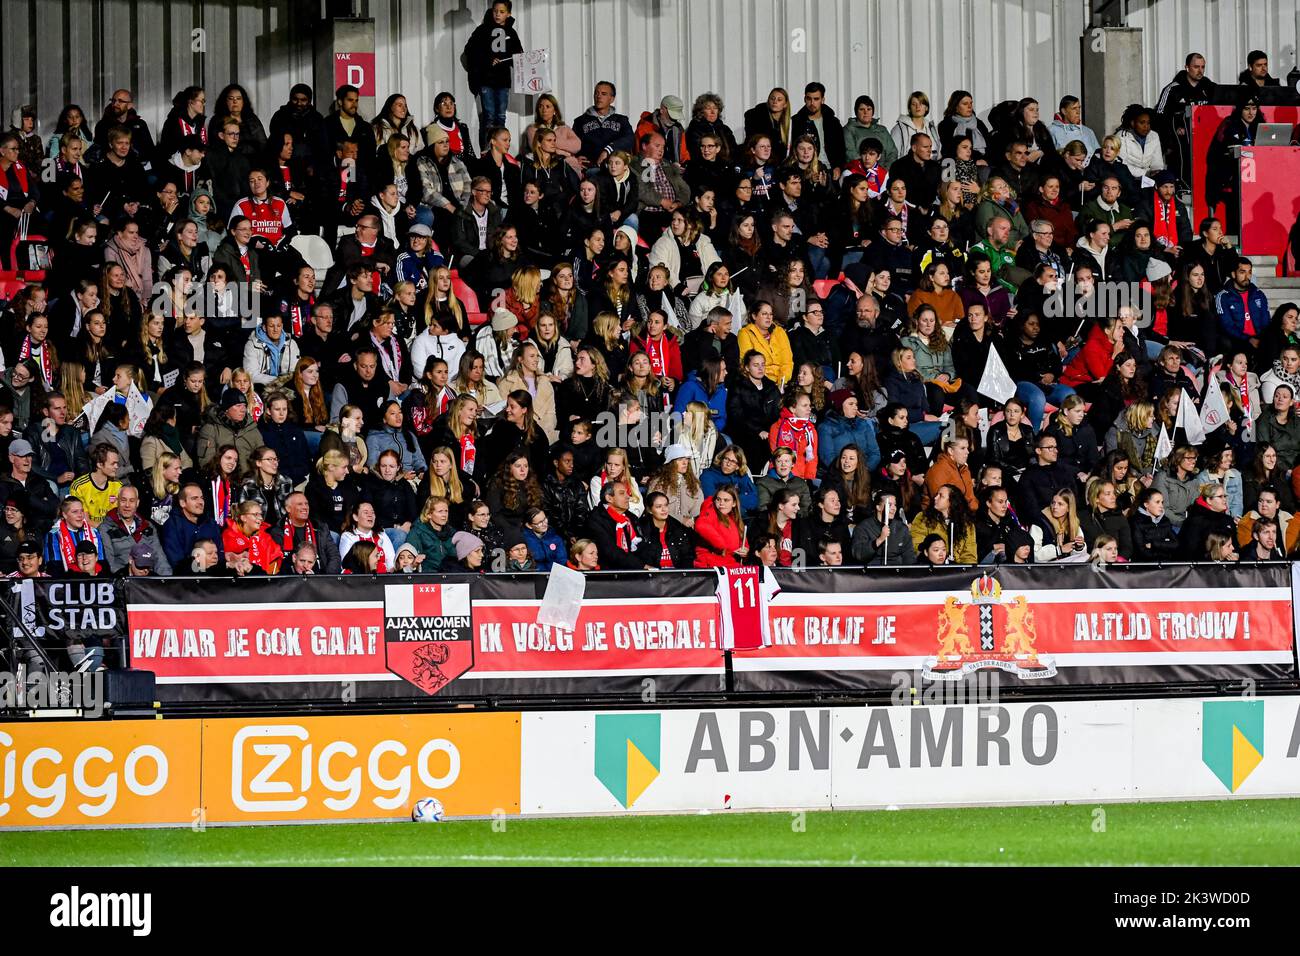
pixel 428 639
pixel 959 655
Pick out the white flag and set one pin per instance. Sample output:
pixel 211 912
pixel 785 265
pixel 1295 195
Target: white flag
pixel 1214 410
pixel 996 381
pixel 1189 421
pixel 1164 447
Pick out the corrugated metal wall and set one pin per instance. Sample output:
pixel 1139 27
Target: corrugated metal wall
pixel 56 51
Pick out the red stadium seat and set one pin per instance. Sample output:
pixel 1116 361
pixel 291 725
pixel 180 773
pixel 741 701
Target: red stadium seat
pixel 463 292
pixel 11 283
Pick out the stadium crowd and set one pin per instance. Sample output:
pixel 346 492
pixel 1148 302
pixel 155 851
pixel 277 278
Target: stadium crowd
pixel 631 341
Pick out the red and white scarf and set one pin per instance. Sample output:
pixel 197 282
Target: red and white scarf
pixel 373 538
pixel 1165 229
pixel 298 312
pixel 467 453
pixel 198 130
pixel 68 542
pixel 785 556
pixel 221 500
pixel 657 355
pixel 47 370
pixel 625 536
pixel 665 553
pixel 286 539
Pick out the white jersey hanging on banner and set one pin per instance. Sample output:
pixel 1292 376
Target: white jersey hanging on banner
pixel 743 596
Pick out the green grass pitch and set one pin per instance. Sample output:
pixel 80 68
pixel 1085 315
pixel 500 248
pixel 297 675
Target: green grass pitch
pixel 1228 832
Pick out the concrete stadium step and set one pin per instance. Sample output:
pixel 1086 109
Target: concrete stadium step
pixel 1264 262
pixel 1271 283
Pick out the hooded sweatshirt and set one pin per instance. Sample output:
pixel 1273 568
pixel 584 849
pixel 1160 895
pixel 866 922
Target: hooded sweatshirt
pixel 905 129
pixel 207 236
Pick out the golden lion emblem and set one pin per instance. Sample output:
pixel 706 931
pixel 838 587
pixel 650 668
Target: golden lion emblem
pixel 1020 629
pixel 953 635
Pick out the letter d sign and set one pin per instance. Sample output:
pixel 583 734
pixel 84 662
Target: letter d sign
pixel 355 69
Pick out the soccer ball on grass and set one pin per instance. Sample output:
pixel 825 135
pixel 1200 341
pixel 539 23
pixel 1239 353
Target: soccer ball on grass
pixel 428 810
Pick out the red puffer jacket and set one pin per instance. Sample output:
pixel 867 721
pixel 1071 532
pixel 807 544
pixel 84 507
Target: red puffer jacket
pixel 717 541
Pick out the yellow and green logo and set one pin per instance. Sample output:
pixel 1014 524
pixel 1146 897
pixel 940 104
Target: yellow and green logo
pixel 1232 739
pixel 627 754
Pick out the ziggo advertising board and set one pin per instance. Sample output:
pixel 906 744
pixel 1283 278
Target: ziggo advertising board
pixel 352 768
pixel 187 772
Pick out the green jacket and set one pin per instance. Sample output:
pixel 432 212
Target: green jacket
pixel 439 553
pixel 855 133
pixel 929 363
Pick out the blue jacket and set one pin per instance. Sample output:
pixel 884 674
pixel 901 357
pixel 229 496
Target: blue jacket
pixel 413 268
pixel 712 478
pixel 178 536
pixel 1232 312
pixel 290 445
pixel 54 552
pixel 604 134
pixel 837 431
pixel 382 439
pixel 693 391
pixel 910 393
pixel 546 550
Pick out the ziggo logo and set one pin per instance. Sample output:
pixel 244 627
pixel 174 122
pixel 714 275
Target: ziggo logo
pixel 287 747
pixel 107 791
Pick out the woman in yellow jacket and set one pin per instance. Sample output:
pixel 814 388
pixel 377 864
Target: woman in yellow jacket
pixel 947 511
pixel 769 340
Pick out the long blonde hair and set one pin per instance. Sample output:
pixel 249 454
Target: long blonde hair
pixel 451 489
pixel 453 303
pixel 71 386
pixel 159 485
pixel 699 423
pixel 453 420
pixel 526 282
pixel 1071 514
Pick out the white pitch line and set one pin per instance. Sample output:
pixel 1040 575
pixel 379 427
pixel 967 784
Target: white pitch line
pixel 596 860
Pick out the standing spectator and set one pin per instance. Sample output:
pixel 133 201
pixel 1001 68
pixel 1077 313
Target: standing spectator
pixel 487 57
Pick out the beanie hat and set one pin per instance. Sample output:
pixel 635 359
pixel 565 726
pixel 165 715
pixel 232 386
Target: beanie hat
pixel 465 544
pixel 839 397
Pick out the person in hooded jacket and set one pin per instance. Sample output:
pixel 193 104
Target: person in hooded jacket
pixel 228 423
